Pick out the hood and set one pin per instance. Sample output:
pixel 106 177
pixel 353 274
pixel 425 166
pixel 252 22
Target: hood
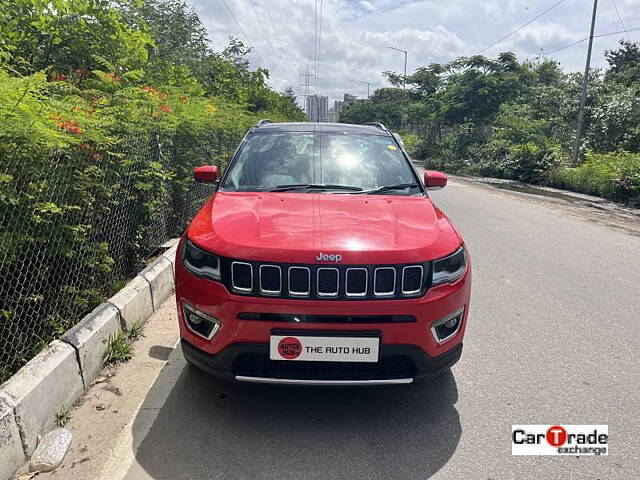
pixel 297 227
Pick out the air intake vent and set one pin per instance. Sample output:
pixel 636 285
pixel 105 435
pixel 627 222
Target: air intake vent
pixel 356 282
pixel 385 281
pixel 412 279
pixel 325 281
pixel 299 281
pixel 328 282
pixel 270 279
pixel 242 276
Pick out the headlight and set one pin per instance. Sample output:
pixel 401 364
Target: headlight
pixel 199 262
pixel 450 268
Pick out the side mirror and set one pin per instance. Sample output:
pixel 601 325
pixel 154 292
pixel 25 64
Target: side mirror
pixel 433 179
pixel 205 174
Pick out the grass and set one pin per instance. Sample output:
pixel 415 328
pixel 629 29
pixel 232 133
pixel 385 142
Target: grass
pixel 119 346
pixel 135 332
pixel 118 349
pixel 63 416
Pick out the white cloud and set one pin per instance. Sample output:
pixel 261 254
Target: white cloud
pixel 367 5
pixel 356 34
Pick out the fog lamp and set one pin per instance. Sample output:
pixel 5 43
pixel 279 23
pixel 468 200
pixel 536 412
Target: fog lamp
pixel 200 323
pixel 445 328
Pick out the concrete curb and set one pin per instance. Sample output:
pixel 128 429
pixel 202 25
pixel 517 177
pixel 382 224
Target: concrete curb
pixel 171 256
pixel 50 380
pixel 90 338
pixel 11 452
pixel 134 302
pixel 57 376
pixel 160 277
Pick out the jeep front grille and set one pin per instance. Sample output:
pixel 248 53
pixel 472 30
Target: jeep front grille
pixel 326 282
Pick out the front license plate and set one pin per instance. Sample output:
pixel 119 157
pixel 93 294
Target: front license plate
pixel 324 349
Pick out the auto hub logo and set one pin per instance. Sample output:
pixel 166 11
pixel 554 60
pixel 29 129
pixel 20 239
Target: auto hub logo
pixel 576 440
pixel 290 348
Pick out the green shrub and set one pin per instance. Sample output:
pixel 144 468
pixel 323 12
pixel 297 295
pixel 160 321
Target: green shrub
pixel 529 162
pixel 411 143
pixel 615 176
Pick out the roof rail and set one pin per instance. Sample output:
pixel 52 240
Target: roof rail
pixel 263 121
pixel 377 125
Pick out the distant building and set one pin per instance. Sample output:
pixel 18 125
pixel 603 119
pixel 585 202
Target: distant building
pixel 333 115
pixel 317 108
pixel 348 98
pixel 338 106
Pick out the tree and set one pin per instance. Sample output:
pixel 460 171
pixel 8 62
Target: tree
pixel 624 63
pixel 64 36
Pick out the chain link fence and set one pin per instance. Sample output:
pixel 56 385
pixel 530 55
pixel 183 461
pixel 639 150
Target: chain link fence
pixel 75 227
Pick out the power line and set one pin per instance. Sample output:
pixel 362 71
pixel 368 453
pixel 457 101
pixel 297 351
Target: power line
pixel 266 34
pixel 520 27
pixel 595 36
pixel 283 56
pixel 242 32
pixel 620 18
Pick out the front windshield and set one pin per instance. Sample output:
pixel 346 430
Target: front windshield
pixel 270 160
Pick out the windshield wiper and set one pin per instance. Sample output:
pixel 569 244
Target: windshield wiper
pixel 386 188
pixel 314 186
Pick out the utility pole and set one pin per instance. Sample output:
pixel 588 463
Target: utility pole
pixel 404 79
pixel 585 82
pixel 367 83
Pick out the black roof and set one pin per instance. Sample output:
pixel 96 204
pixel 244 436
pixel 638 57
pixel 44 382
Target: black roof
pixel 321 127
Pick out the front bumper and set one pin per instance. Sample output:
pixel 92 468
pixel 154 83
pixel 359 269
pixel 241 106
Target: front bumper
pixel 239 350
pixel 250 362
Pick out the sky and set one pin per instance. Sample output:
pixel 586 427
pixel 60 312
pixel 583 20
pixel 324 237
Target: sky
pixel 355 35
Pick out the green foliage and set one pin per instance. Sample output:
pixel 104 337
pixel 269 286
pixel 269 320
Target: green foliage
pixel 118 349
pixel 411 143
pixel 66 35
pixel 105 108
pixel 611 175
pixel 135 332
pixel 624 63
pixel 517 120
pixel 63 416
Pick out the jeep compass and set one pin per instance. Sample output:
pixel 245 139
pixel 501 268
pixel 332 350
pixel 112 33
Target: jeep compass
pixel 321 260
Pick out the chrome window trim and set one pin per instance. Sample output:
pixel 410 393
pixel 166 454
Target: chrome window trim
pixel 412 292
pixel 270 292
pixel 366 282
pixel 320 294
pixel 299 294
pixel 384 294
pixel 233 283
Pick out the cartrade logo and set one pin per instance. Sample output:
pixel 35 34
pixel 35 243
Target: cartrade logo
pixel 575 440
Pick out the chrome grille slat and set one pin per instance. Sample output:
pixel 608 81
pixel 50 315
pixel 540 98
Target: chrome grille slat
pixel 328 293
pixel 267 291
pixel 351 293
pixel 233 275
pixel 405 272
pixel 383 293
pixel 325 282
pixel 296 293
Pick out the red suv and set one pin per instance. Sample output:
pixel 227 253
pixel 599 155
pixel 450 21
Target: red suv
pixel 321 260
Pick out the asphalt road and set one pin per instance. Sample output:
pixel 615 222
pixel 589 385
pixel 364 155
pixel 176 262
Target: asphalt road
pixel 553 337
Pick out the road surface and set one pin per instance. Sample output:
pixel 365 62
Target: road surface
pixel 553 337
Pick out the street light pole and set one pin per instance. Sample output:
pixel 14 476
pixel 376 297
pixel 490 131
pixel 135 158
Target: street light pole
pixel 404 79
pixel 585 82
pixel 367 87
